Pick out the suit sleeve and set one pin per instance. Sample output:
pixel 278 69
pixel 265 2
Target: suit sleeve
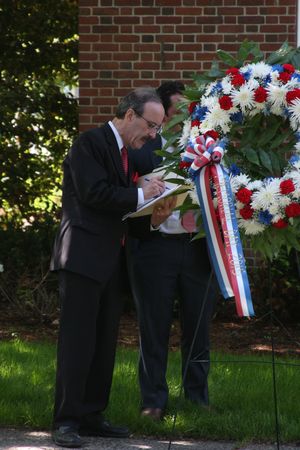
pixel 91 172
pixel 139 227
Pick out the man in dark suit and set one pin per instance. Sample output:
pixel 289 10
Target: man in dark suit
pixel 97 192
pixel 163 264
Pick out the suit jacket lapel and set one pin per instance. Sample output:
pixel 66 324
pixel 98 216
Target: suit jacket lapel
pixel 115 153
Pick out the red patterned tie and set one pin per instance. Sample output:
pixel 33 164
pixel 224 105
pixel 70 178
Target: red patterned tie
pixel 124 156
pixel 188 221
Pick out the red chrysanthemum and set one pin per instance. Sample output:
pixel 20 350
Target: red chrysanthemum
pixel 212 133
pixel 225 102
pixel 260 94
pixel 192 107
pixel 232 71
pixel 289 68
pixel 237 80
pixel 292 210
pixel 292 95
pixel 244 195
pixel 195 123
pixel 287 186
pixel 284 77
pixel 280 224
pixel 246 212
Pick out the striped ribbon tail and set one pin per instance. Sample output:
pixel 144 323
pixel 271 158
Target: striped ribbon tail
pixel 226 252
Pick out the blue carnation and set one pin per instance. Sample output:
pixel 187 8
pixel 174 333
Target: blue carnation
pixel 294 158
pixel 234 169
pixel 200 112
pixel 267 80
pixel 277 67
pixel 217 88
pixel 265 217
pixel 237 117
pixel 296 76
pixel 247 75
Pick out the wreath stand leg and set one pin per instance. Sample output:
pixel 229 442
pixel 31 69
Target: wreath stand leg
pixel 189 360
pixel 270 279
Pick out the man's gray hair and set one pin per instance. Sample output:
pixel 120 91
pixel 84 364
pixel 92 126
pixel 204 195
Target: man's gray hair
pixel 136 101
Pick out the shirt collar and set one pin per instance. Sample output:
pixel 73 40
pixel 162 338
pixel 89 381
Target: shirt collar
pixel 117 135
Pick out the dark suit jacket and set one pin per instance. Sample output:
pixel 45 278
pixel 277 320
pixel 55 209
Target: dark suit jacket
pixel 96 194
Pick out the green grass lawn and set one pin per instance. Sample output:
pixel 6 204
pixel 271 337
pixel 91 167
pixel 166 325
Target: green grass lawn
pixel 241 395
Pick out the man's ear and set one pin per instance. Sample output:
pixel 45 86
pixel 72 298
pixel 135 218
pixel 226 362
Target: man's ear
pixel 129 115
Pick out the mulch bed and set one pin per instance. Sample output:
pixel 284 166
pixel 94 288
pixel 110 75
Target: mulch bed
pixel 230 336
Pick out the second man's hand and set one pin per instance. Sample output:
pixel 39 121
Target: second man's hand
pixel 153 187
pixel 163 210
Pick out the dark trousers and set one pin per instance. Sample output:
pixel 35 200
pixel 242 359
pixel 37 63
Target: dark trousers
pixel 160 268
pixel 90 313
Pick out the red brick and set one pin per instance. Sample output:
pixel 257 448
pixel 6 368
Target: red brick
pixel 126 38
pixel 146 11
pixel 168 19
pixel 106 11
pixel 88 20
pixel 84 29
pixel 126 20
pixel 125 56
pixel 149 29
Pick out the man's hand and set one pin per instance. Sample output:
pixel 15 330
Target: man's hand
pixel 163 210
pixel 153 187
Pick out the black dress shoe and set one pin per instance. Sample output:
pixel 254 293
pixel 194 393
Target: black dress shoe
pixel 96 425
pixel 67 436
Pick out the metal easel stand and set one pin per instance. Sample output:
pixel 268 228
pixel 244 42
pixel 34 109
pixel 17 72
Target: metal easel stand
pixel 273 362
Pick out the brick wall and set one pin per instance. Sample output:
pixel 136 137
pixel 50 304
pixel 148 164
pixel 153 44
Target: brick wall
pixel 125 44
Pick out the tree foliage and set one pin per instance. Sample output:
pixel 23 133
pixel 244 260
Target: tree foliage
pixel 38 113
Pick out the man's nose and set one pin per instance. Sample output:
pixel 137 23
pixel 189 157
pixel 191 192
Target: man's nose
pixel 152 132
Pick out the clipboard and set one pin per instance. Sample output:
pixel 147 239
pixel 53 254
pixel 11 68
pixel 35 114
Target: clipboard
pixel 147 207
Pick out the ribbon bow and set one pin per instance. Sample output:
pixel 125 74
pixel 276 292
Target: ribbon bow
pixel 205 155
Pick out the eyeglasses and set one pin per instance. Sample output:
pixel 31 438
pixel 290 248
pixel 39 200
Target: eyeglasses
pixel 151 125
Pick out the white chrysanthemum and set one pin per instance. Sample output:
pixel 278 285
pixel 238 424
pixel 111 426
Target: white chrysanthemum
pixel 251 226
pixel 243 97
pixel 297 147
pixel 238 181
pixel 226 85
pixel 266 196
pixel 292 84
pixel 295 176
pixel 274 208
pixel 194 132
pixel 283 201
pixel 216 117
pixel 254 185
pixel 277 217
pixel 209 102
pixel 239 205
pixel 277 110
pixel 258 108
pixel 294 111
pixel 185 134
pixel 296 194
pixel 210 88
pixel 274 77
pixel 277 95
pixel 258 70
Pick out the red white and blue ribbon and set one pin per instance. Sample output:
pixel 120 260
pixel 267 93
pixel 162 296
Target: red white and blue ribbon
pixel 225 249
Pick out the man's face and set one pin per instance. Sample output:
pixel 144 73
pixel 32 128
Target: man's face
pixel 173 109
pixel 142 128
